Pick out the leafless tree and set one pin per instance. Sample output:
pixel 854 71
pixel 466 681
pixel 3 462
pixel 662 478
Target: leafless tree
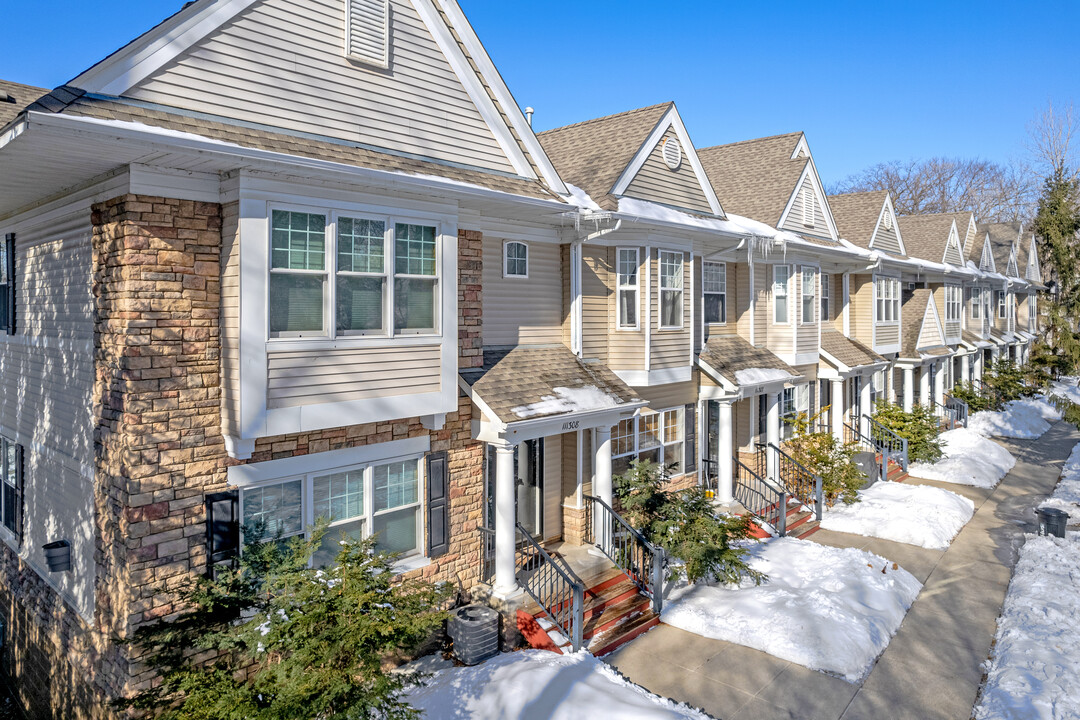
pixel 993 192
pixel 1053 140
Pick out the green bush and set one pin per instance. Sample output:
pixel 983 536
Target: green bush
pixel 685 525
pixel 1004 382
pixel 920 427
pixel 822 454
pixel 968 393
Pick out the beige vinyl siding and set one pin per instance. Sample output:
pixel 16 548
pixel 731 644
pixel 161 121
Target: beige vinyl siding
pixel 1022 314
pixel 310 377
pixel 952 253
pixel 46 396
pixel 662 397
pixel 281 62
pixel 762 303
pixel 567 301
pixel 626 348
pixel 230 318
pixel 794 219
pixel 743 417
pixel 888 335
pixel 670 348
pixel 568 466
pixel 836 301
pixel 553 491
pixel 886 239
pixel 806 340
pixel 657 182
pixel 522 310
pixel 929 335
pixel 861 322
pixel 597 302
pixel 782 335
pixel 739 298
pixel 699 306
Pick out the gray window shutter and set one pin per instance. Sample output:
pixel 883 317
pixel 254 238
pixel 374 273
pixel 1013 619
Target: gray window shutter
pixel 9 316
pixel 438 505
pixel 690 463
pixel 222 528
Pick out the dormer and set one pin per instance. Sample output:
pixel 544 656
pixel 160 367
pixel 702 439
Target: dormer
pixel 1033 271
pixel 868 220
pixel 954 253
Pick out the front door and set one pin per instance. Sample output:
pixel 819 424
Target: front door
pixel 528 485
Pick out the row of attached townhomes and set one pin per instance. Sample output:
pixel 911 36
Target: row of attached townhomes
pixel 278 260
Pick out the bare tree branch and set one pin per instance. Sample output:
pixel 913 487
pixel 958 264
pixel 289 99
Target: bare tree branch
pixel 1052 140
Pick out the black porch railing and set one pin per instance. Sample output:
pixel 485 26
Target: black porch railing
pixel 759 498
pixel 640 560
pixel 797 481
pixel 554 587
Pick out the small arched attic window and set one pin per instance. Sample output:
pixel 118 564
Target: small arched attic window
pixel 515 259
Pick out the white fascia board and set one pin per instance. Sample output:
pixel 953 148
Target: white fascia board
pixel 171 141
pixel 503 95
pixel 670 120
pixel 712 372
pixel 135 62
pixel 952 237
pixel 522 430
pixel 931 309
pixel 896 223
pixel 839 366
pixel 255 473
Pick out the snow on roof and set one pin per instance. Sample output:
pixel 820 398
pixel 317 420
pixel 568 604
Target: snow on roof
pixel 568 400
pixel 759 376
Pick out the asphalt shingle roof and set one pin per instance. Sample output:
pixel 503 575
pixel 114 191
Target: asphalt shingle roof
pixel 728 354
pixel 913 312
pixel 755 178
pixel 925 236
pixel 847 351
pixel 527 383
pixel 15 98
pixel 1002 238
pixel 856 215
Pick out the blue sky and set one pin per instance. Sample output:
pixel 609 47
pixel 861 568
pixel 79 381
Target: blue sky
pixel 867 81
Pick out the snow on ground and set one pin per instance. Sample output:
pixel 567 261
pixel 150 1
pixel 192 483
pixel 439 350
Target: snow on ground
pixel 830 609
pixel 541 684
pixel 1066 495
pixel 970 459
pixel 1034 671
pixel 915 514
pixel 1026 419
pixel 1067 388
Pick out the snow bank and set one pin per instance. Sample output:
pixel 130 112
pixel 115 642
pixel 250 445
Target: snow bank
pixel 915 514
pixel 1034 671
pixel 1066 495
pixel 1026 419
pixel 541 684
pixel 757 376
pixel 567 400
pixel 1067 390
pixel 970 459
pixel 830 609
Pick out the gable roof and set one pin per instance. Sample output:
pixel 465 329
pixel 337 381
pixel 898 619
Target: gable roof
pixel 1028 259
pixel 1003 238
pixel 927 235
pixel 918 311
pixel 728 355
pixel 14 97
pixel 858 216
pixel 847 351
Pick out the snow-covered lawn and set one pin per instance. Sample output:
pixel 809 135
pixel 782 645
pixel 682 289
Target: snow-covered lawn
pixel 1034 671
pixel 830 609
pixel 1025 419
pixel 913 514
pixel 541 684
pixel 1067 493
pixel 970 459
pixel 1067 389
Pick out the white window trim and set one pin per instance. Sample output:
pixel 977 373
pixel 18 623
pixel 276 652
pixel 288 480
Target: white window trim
pixel 723 320
pixel 825 301
pixel 976 303
pixel 954 304
pixel 662 433
pixel 636 287
pixel 787 294
pixel 1002 307
pixel 661 289
pixel 506 258
pixel 804 296
pixel 894 284
pixel 330 334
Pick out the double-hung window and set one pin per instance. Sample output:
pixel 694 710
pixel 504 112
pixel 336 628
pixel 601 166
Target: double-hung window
pixel 809 295
pixel 671 289
pixel 975 298
pixel 11 478
pixel 714 288
pixel 515 259
pixel 792 402
pixel 952 303
pixel 627 281
pixel 825 310
pixel 1002 312
pixel 781 276
pixel 358 502
pixel 385 276
pixel 887 297
pixel 1033 317
pixel 656 436
pixel 877 389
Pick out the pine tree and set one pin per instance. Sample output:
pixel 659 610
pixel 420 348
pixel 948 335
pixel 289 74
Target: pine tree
pixel 1056 226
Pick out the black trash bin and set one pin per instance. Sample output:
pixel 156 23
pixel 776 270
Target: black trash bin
pixel 1052 521
pixel 475 632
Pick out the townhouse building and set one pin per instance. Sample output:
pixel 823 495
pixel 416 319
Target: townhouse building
pixel 274 261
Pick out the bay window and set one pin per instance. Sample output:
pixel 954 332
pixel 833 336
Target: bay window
pixel 297 274
pixel 1002 312
pixel 887 299
pixel 952 303
pixel 414 278
pixel 975 298
pixel 781 275
pixel 671 289
pixel 627 283
pixel 714 288
pixel 808 292
pixel 656 436
pixel 361 275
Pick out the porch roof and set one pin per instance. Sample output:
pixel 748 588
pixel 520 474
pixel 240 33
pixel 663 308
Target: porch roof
pixel 545 382
pixel 743 364
pixel 974 340
pixel 847 352
pixel 998 338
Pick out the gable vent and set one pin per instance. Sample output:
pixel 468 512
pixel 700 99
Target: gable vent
pixel 672 152
pixel 367 31
pixel 887 221
pixel 808 209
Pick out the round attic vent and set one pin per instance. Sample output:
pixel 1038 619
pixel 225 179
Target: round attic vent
pixel 888 221
pixel 672 153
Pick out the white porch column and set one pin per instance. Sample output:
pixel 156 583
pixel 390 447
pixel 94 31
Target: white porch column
pixel 837 412
pixel 978 369
pixel 965 369
pixel 909 388
pixel 772 435
pixel 924 385
pixel 939 384
pixel 725 452
pixel 505 522
pixel 602 487
pixel 865 405
pixel 890 384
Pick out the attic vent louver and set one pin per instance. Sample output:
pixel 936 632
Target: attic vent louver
pixel 367 31
pixel 888 221
pixel 672 153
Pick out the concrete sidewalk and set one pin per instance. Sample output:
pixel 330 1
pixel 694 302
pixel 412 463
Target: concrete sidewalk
pixel 932 668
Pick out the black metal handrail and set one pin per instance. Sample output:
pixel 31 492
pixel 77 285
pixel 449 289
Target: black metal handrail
pixel 487 554
pixel 799 482
pixel 889 444
pixel 553 586
pixel 640 560
pixel 944 413
pixel 760 499
pixel 960 408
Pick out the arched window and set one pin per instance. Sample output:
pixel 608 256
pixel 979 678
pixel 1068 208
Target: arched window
pixel 515 259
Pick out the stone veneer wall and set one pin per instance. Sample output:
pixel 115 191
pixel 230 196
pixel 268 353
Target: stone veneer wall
pixel 159 449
